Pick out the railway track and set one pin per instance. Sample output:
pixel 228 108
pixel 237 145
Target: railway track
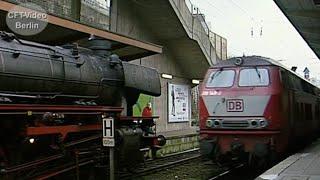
pixel 226 173
pixel 203 169
pixel 239 171
pixel 159 164
pixel 183 161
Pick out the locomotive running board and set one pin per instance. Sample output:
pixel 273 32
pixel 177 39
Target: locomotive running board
pixel 231 132
pixel 63 130
pixel 61 108
pixel 135 118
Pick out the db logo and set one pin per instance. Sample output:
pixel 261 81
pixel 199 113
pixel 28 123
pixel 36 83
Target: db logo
pixel 235 105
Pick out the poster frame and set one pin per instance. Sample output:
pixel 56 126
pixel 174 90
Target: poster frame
pixel 189 104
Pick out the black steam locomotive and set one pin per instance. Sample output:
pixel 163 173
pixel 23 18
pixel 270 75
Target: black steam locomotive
pixel 52 102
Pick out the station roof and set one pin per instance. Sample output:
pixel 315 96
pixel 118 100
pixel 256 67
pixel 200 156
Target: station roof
pixel 304 15
pixel 61 31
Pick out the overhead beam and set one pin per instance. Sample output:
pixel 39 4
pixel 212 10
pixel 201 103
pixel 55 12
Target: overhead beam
pixel 315 45
pixel 136 56
pixel 118 46
pixel 310 30
pixel 292 14
pixel 316 49
pixel 311 36
pixel 304 13
pixel 307 26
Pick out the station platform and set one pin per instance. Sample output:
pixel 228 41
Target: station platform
pixel 182 132
pixel 179 140
pixel 304 165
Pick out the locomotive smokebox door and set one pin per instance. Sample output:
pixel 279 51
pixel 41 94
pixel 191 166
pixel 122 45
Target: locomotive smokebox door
pixel 143 79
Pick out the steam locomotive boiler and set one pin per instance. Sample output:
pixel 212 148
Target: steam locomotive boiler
pixel 52 101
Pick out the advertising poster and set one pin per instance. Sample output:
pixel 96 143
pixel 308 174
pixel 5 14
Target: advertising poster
pixel 178 103
pixel 142 103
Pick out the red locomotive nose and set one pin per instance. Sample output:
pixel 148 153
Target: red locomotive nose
pixel 203 114
pixel 243 108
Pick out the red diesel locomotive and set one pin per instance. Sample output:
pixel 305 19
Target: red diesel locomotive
pixel 254 108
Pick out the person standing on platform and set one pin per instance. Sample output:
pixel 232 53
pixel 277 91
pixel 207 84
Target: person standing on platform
pixel 147 123
pixel 147 111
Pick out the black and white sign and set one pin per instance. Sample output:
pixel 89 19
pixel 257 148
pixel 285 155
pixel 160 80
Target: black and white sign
pixel 178 103
pixel 234 105
pixel 108 132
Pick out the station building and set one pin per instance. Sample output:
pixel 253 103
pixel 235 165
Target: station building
pixel 169 35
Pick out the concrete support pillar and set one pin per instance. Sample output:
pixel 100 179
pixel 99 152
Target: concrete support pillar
pixel 113 15
pixel 76 9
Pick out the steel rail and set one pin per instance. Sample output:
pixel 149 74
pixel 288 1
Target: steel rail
pixel 226 172
pixel 30 164
pixel 63 170
pixel 162 163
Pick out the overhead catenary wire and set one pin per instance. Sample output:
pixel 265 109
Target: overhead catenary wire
pixel 250 17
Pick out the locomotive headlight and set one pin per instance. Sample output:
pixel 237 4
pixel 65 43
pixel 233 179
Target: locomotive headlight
pixel 31 140
pixel 209 123
pixel 263 123
pixel 216 123
pixel 254 123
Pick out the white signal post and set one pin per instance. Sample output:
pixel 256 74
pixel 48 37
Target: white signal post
pixel 108 132
pixel 108 141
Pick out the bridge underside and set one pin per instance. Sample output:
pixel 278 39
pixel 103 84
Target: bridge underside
pixel 180 31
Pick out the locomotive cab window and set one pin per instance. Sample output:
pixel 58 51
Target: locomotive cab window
pixel 221 78
pixel 254 77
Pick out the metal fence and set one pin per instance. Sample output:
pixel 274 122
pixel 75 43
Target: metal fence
pixel 197 13
pixel 198 28
pixel 214 46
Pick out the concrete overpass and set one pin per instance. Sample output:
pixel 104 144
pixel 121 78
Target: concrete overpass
pixel 176 28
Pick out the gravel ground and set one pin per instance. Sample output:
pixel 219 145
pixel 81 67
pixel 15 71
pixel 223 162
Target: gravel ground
pixel 193 170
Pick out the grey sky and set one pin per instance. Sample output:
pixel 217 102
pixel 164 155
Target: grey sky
pixel 233 19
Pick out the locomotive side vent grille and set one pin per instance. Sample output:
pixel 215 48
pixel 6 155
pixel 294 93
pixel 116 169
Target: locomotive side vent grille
pixel 235 124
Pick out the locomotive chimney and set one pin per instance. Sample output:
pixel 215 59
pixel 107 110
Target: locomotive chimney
pixel 100 46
